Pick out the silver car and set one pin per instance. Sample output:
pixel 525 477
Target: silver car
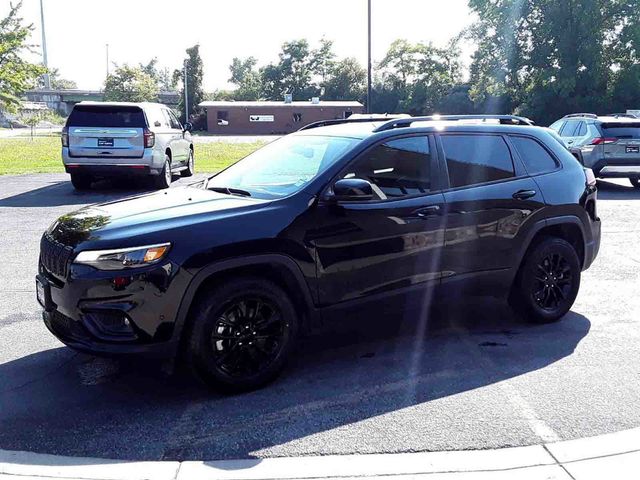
pixel 107 139
pixel 609 145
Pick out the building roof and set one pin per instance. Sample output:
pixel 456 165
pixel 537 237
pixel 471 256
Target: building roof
pixel 322 103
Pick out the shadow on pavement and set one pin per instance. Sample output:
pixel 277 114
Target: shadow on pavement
pixel 59 402
pixel 615 191
pixel 62 193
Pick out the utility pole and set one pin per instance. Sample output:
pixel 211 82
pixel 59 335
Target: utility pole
pixel 186 95
pixel 369 56
pixel 47 79
pixel 107 48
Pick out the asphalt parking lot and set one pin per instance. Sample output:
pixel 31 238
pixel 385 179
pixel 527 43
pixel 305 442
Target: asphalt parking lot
pixel 466 377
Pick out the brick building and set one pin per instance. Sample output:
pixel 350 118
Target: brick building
pixel 272 118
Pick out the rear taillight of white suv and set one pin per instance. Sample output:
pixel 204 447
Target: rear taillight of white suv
pixel 149 138
pixel 64 136
pixel 603 141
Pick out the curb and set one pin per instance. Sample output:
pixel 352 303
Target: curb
pixel 615 455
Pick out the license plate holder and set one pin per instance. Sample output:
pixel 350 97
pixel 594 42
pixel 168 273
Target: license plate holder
pixel 43 293
pixel 633 149
pixel 105 142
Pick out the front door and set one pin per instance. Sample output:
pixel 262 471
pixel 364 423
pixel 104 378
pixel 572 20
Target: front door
pixel 388 245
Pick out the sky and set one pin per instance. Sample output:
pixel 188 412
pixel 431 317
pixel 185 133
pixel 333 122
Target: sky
pixel 137 30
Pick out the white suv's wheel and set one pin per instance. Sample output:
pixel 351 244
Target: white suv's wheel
pixel 164 179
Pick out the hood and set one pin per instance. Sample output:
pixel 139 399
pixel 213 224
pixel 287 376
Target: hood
pixel 148 213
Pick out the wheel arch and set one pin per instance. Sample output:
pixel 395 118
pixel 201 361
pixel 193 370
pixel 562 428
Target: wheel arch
pixel 278 268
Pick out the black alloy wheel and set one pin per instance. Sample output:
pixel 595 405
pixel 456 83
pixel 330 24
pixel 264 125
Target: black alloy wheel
pixel 553 281
pixel 548 281
pixel 248 336
pixel 241 335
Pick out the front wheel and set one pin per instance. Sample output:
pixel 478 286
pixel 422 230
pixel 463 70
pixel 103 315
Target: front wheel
pixel 190 170
pixel 548 281
pixel 635 181
pixel 242 334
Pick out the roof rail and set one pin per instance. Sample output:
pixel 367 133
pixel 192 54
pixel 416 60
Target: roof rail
pixel 406 122
pixel 624 115
pixel 358 119
pixel 585 115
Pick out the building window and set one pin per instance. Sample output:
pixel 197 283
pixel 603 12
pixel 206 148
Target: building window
pixel 297 117
pixel 223 117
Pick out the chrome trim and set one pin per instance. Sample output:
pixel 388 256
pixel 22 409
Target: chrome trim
pixel 623 169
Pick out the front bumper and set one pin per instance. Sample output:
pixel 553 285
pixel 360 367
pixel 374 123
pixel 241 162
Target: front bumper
pixel 115 312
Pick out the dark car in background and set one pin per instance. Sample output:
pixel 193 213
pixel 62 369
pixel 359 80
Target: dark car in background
pixel 341 216
pixel 609 145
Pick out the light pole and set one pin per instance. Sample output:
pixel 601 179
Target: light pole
pixel 368 56
pixel 47 79
pixel 107 50
pixel 186 95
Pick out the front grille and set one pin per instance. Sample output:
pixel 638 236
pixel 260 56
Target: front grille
pixel 54 256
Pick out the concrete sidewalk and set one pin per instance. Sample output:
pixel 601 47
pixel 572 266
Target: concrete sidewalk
pixel 615 456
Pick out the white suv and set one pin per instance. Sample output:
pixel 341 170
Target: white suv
pixel 106 139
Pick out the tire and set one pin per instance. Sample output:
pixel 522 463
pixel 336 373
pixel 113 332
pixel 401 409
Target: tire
pixel 548 281
pixel 190 170
pixel 235 345
pixel 635 181
pixel 164 179
pixel 81 182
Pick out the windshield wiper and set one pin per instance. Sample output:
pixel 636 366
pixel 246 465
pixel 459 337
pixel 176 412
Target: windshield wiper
pixel 231 191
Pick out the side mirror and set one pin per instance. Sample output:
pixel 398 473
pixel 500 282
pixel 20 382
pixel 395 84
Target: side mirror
pixel 188 127
pixel 352 189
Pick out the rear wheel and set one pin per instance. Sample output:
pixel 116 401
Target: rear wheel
pixel 164 179
pixel 242 334
pixel 635 181
pixel 548 281
pixel 190 170
pixel 80 181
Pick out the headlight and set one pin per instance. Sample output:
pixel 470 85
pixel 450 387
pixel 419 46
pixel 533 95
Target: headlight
pixel 123 258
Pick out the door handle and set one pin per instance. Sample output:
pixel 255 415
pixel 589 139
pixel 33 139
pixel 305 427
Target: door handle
pixel 428 211
pixel 524 194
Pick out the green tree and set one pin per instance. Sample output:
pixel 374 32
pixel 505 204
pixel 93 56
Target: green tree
pixel 161 76
pixel 16 74
pixel 346 80
pixel 292 74
pixel 195 93
pixel 130 84
pixel 545 58
pixel 245 75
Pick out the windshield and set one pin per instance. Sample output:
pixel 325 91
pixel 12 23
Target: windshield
pixel 106 116
pixel 282 167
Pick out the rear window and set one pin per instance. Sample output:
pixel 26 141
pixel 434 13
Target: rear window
pixel 621 130
pixel 535 156
pixel 99 116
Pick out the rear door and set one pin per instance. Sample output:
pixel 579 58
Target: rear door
pixel 569 132
pixel 490 204
pixel 622 143
pixel 179 146
pixel 106 131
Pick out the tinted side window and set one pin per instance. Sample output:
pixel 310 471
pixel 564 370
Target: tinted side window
pixel 473 159
pixel 396 168
pixel 569 128
pixel 174 121
pixel 581 131
pixel 557 126
pixel 536 159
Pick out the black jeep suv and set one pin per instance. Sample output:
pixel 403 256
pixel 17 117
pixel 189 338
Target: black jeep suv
pixel 376 212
